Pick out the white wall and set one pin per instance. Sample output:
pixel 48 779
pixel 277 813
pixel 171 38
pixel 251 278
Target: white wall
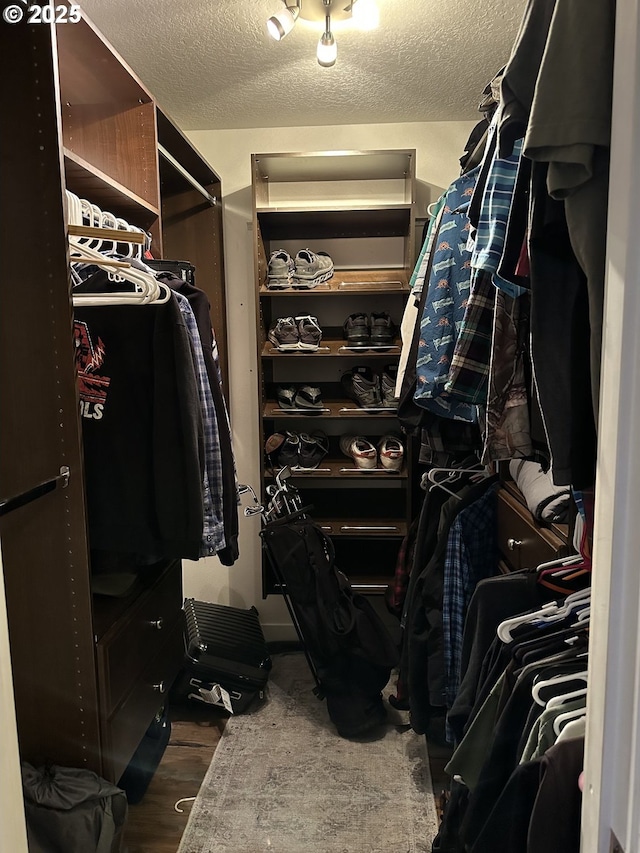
pixel 612 765
pixel 438 146
pixel 13 835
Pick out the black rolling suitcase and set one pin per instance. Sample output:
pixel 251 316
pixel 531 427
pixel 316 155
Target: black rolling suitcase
pixel 226 658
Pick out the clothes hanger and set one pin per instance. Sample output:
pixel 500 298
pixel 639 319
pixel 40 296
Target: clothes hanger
pixel 572 728
pixel 148 290
pixel 552 611
pixel 554 682
pixel 453 475
pixel 561 719
pixel 561 698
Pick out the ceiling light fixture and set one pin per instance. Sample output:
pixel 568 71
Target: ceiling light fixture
pixel 327 51
pixel 281 24
pixel 363 13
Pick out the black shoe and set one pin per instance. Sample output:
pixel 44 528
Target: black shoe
pixel 283 449
pixel 356 330
pixel 388 379
pixel 362 386
pixel 382 330
pixel 313 449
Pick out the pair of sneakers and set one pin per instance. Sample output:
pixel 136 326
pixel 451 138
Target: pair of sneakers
pixel 389 453
pixel 369 330
pixel 289 334
pixel 297 450
pixel 371 390
pixel 305 270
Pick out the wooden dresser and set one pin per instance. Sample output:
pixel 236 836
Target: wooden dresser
pixel 523 542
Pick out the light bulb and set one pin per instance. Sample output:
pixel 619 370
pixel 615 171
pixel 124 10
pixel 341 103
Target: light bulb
pixel 280 25
pixel 327 50
pixel 365 14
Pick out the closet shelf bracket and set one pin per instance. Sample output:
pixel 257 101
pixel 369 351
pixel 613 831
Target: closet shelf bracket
pixel 9 504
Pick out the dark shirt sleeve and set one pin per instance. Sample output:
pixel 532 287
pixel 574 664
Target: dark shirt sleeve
pixel 555 818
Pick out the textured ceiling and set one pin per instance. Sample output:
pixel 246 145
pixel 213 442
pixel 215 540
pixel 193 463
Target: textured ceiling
pixel 211 64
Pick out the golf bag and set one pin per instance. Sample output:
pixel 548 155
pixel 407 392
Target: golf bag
pixel 348 645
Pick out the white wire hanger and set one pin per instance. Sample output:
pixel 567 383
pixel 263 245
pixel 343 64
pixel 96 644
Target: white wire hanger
pixel 452 475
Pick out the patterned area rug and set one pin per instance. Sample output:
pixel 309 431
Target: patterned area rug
pixel 282 780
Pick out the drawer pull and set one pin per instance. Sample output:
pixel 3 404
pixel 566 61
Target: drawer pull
pixel 512 544
pixel 158 624
pixel 160 687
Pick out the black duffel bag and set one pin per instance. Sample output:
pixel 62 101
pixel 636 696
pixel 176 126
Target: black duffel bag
pixel 70 810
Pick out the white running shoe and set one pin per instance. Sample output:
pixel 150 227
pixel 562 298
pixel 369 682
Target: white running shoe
pixel 391 452
pixel 360 450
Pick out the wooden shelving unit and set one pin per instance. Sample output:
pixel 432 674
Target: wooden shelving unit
pixel 358 206
pixel 89 671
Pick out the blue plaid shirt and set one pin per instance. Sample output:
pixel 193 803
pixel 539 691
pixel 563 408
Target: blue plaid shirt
pixel 213 539
pixel 472 554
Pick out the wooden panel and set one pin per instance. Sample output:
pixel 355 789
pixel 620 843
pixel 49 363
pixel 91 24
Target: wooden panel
pixel 90 70
pixel 119 142
pixel 126 728
pixel 89 182
pixel 192 231
pixel 522 542
pixel 124 652
pixel 44 543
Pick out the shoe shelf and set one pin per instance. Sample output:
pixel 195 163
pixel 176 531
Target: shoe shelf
pixel 333 348
pixel 343 469
pixel 357 207
pixel 369 281
pixel 326 223
pixel 339 409
pixel 384 527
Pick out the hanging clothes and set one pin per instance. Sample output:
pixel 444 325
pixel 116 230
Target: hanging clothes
pixel 448 290
pixel 142 427
pixel 199 303
pixel 213 527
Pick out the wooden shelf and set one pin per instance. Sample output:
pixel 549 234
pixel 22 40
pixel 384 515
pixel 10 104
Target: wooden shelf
pixel 332 348
pixel 364 527
pixel 299 223
pixel 89 182
pixel 334 409
pixel 330 166
pixel 344 282
pixel 344 469
pixel 358 206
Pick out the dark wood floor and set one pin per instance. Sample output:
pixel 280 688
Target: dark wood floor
pixel 154 826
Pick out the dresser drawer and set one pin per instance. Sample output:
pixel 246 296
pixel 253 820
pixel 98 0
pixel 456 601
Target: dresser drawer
pixel 137 636
pixel 126 728
pixel 522 542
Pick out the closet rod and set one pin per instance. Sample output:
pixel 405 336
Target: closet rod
pixel 9 504
pixel 179 168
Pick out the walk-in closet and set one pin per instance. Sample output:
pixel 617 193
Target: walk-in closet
pixel 318 404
